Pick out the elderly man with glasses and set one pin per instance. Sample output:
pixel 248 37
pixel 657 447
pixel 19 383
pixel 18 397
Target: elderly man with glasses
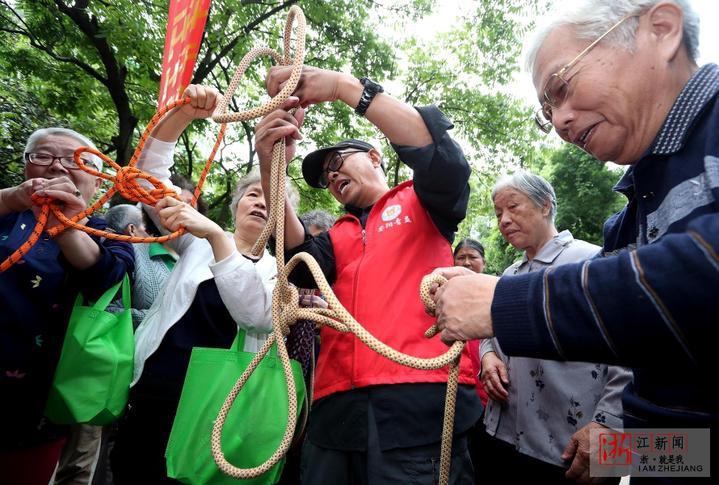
pixel 374 421
pixel 635 96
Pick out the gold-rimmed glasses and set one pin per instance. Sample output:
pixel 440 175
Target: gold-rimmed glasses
pixel 557 87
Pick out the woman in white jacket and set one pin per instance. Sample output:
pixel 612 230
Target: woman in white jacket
pixel 216 287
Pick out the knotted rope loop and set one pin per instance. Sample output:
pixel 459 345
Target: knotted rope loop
pixel 285 301
pixel 41 200
pixel 290 306
pixel 126 181
pixel 222 116
pixel 425 294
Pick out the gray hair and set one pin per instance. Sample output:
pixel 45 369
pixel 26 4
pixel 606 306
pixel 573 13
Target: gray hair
pixel 322 219
pixel 533 186
pixel 122 215
pixel 591 18
pixel 253 177
pixel 38 135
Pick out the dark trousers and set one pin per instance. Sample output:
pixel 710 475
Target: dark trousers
pixel 416 465
pixel 30 466
pixel 476 438
pixel 497 461
pixel 139 452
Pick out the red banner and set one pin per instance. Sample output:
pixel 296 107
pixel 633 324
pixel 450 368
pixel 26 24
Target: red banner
pixel 185 25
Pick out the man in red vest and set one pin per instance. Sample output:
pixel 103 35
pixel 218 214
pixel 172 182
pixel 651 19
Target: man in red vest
pixel 375 421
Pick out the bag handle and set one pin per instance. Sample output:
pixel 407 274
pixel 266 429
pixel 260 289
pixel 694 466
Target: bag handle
pixel 102 302
pixel 238 345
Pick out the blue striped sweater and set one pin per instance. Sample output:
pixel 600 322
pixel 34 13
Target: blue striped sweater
pixel 650 300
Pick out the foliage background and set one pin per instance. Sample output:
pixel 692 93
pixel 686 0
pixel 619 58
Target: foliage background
pixel 94 66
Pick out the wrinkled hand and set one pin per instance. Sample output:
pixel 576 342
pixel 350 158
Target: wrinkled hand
pixel 449 273
pixel 577 450
pixel 63 191
pixel 278 125
pixel 464 305
pixel 173 214
pixel 19 199
pixel 494 377
pixel 315 85
pixel 203 100
pixel 310 300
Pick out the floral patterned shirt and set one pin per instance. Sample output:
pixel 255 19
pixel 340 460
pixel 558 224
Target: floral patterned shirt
pixel 550 400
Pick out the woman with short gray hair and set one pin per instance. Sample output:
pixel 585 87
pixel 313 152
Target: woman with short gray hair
pixel 317 221
pixel 539 191
pixel 253 177
pixel 540 411
pixel 38 136
pixel 121 216
pixel 37 295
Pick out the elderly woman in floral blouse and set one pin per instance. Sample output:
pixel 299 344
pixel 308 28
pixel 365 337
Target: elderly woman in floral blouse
pixel 540 411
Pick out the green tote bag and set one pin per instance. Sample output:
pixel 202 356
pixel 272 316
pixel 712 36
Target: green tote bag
pixel 93 375
pixel 254 426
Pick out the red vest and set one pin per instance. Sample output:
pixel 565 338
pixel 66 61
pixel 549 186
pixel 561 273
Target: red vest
pixel 379 270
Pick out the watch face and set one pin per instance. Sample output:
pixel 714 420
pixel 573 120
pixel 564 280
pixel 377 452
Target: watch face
pixel 370 85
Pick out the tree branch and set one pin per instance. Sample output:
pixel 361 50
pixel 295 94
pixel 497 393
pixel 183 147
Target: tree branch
pixel 24 30
pixel 115 80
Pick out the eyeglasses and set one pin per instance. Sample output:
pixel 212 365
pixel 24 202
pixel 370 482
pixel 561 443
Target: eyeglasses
pixel 336 160
pixel 45 159
pixel 557 87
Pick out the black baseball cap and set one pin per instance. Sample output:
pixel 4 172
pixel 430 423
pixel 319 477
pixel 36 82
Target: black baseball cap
pixel 312 163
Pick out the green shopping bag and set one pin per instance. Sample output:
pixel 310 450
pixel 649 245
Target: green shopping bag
pixel 254 426
pixel 92 379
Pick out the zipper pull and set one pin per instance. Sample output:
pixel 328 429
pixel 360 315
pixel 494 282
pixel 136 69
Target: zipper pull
pixel 364 236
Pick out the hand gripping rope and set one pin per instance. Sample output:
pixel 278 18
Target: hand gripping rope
pixel 285 298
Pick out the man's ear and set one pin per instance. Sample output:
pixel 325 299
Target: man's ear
pixel 375 157
pixel 131 230
pixel 666 28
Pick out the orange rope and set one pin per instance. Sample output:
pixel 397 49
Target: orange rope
pixel 126 181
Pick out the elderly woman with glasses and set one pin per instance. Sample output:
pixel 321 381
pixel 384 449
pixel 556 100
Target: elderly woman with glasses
pixel 638 98
pixel 37 295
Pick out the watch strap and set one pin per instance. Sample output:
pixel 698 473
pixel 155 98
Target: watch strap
pixel 371 89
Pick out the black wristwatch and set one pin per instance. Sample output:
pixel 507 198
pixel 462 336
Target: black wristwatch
pixel 371 89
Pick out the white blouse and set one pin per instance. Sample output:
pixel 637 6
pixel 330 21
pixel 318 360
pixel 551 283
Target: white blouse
pixel 245 287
